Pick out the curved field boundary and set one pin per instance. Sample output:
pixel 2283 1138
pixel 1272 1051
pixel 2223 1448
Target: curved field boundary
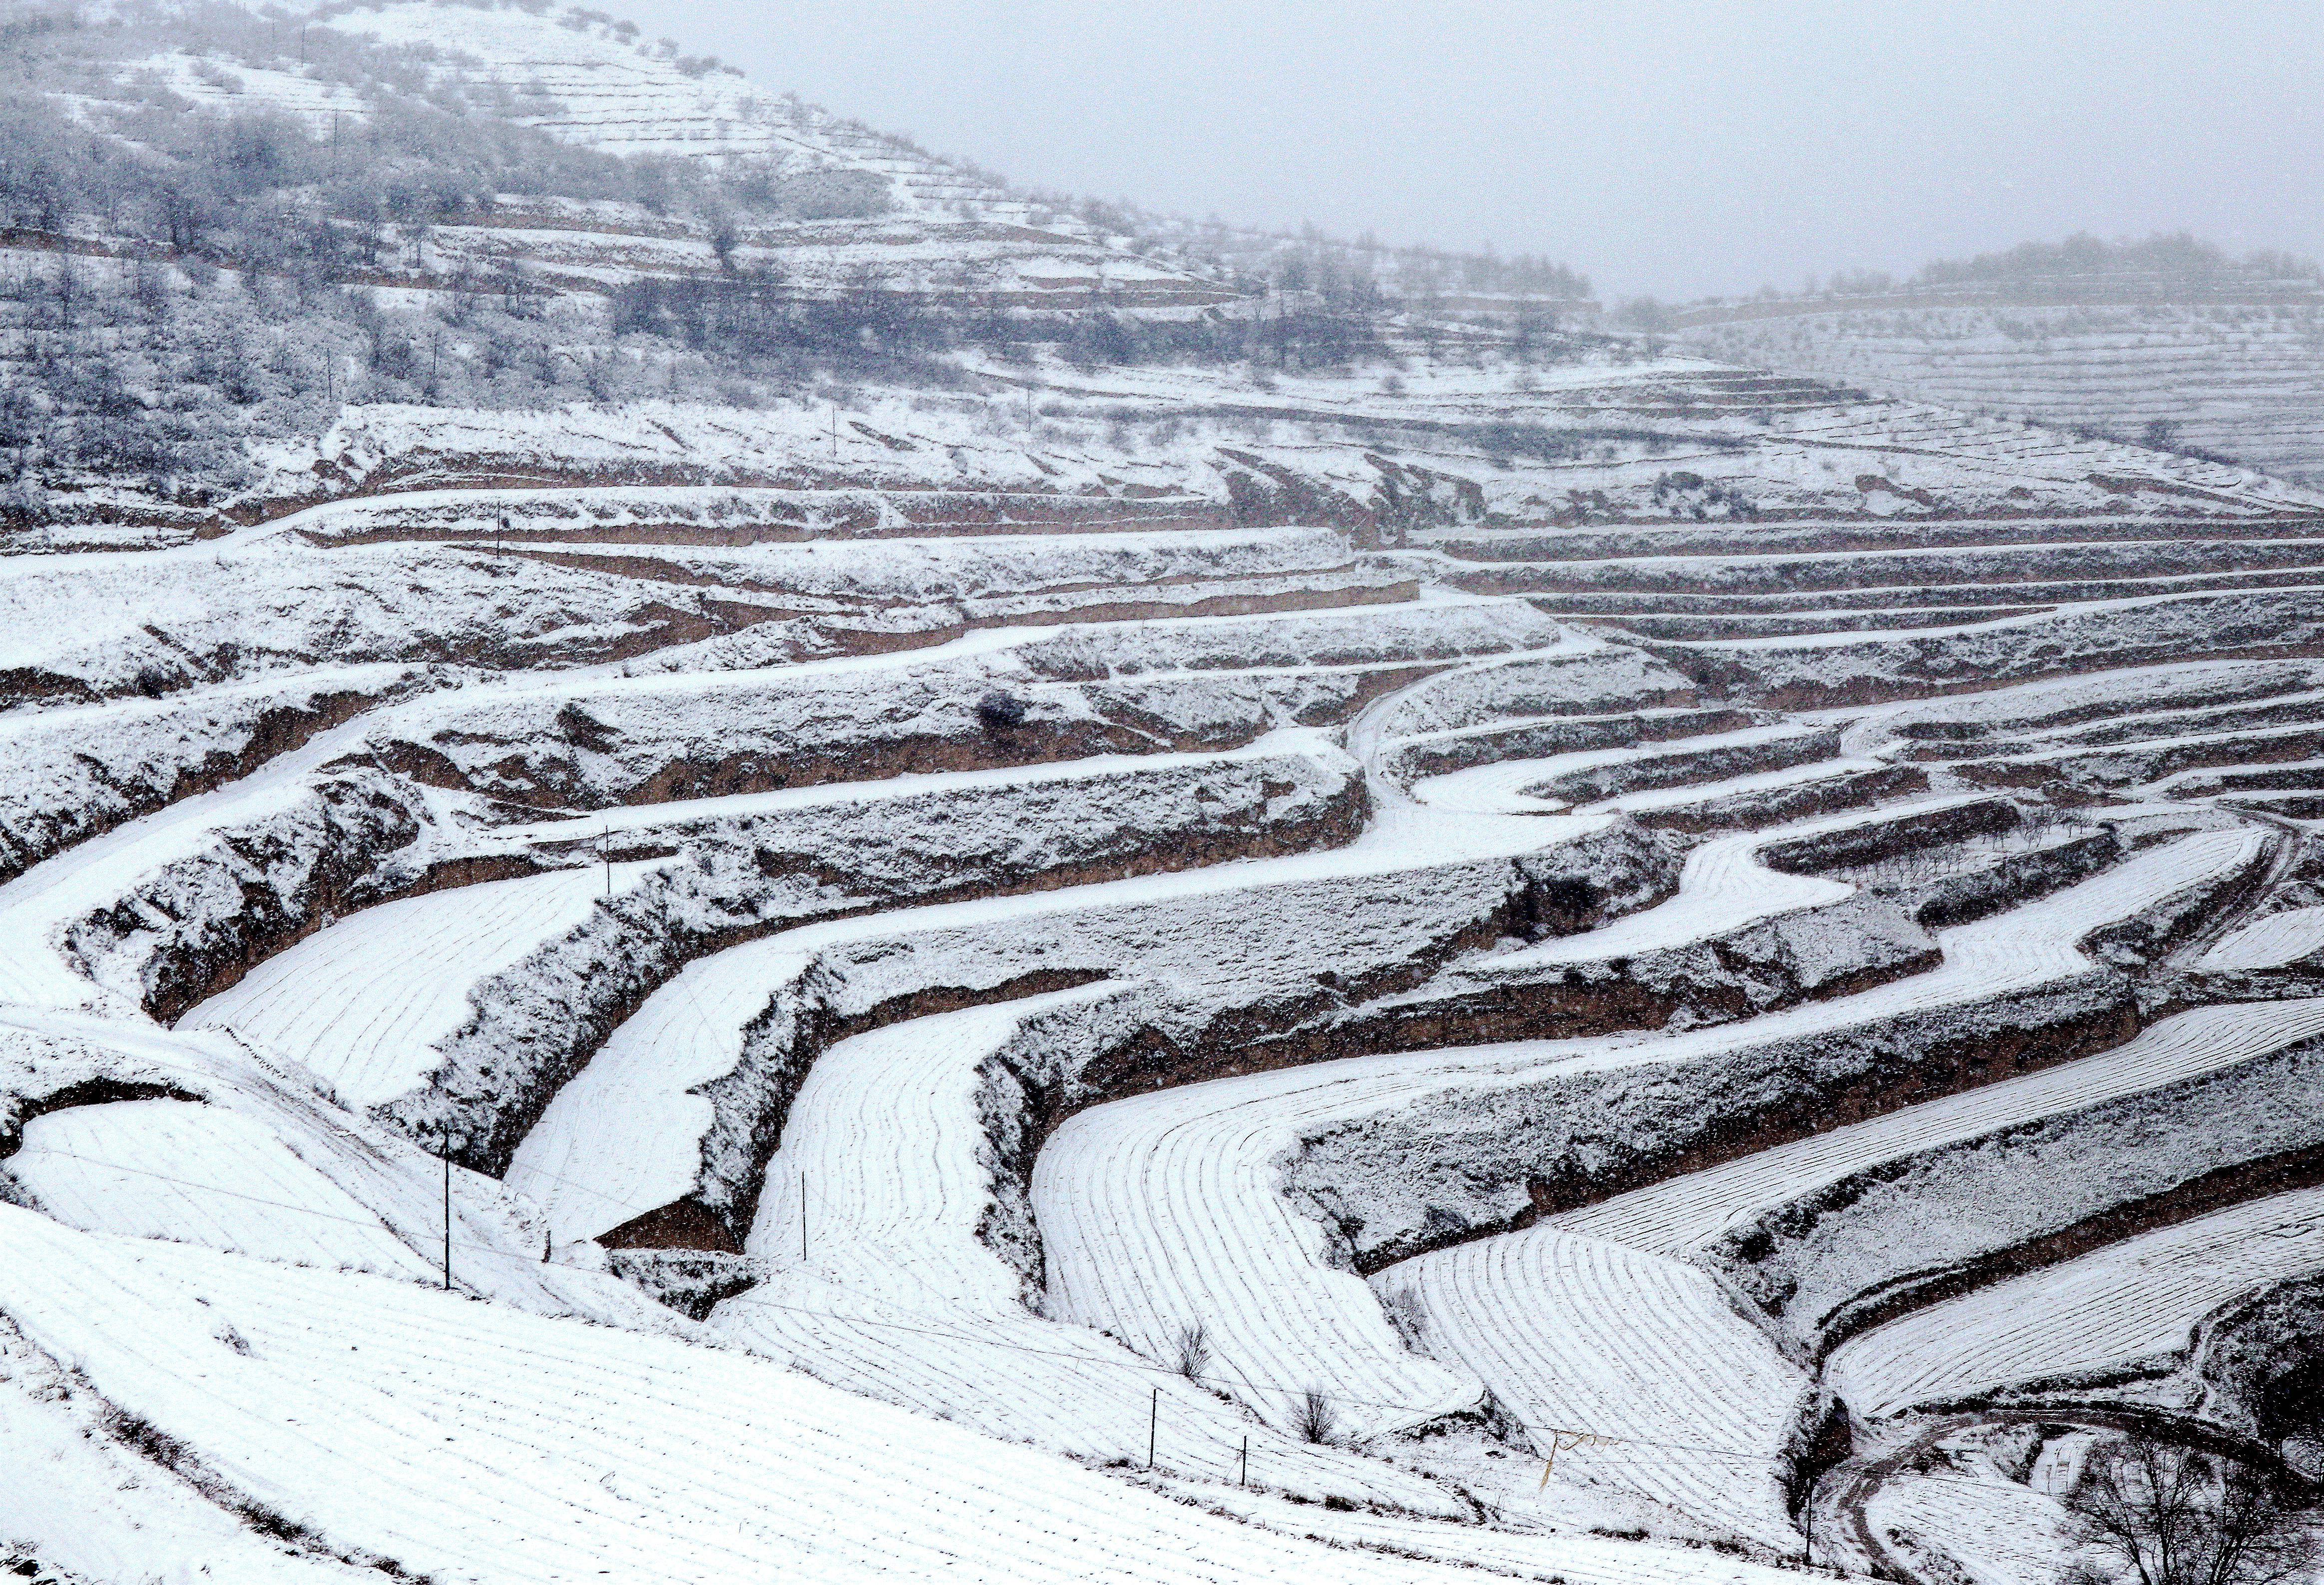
pixel 1683 1214
pixel 2127 1305
pixel 362 1004
pixel 1575 1332
pixel 878 1276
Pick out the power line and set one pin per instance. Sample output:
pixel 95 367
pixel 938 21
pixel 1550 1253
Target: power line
pixel 954 1337
pixel 1563 1440
pixel 493 1252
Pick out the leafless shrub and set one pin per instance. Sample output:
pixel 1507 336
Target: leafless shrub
pixel 1406 1313
pixel 1316 1419
pixel 1194 1350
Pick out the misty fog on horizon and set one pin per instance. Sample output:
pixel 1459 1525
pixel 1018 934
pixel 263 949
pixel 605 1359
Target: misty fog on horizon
pixel 1682 149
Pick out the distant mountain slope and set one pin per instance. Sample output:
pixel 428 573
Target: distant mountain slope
pixel 2166 341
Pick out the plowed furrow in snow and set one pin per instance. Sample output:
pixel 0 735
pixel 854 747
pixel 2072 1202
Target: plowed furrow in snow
pixel 1682 1212
pixel 1168 1208
pixel 626 1135
pixel 882 1283
pixel 1576 1335
pixel 2267 941
pixel 2131 1302
pixel 363 1003
pixel 256 1162
pixel 473 1442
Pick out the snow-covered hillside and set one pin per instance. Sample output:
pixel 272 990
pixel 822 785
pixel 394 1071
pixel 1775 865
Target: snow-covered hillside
pixel 2239 378
pixel 1108 924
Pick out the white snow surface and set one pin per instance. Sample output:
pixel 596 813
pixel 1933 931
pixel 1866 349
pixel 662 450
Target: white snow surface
pixel 1576 1335
pixel 475 1441
pixel 2268 940
pixel 886 1178
pixel 624 1136
pixel 2129 1303
pixel 363 1003
pixel 1169 1208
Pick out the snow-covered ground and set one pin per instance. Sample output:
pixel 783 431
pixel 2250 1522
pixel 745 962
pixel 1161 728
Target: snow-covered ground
pixel 363 1004
pixel 881 1281
pixel 1087 841
pixel 1579 1337
pixel 381 1419
pixel 2131 1303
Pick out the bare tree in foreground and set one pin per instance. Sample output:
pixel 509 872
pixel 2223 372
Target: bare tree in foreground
pixel 2165 1515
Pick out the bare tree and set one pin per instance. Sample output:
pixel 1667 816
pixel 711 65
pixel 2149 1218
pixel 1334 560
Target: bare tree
pixel 1193 1347
pixel 2166 1514
pixel 1316 1419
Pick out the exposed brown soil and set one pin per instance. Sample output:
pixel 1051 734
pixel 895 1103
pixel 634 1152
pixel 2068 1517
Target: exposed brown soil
pixel 1509 543
pixel 515 781
pixel 1877 841
pixel 750 1103
pixel 275 733
pixel 682 1225
pixel 1942 1069
pixel 1779 806
pixel 1727 678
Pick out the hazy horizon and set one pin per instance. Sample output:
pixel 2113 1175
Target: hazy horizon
pixel 1681 150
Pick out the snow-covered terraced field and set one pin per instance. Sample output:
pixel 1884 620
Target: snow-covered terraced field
pixel 1150 1206
pixel 381 1419
pixel 2237 379
pixel 1995 1530
pixel 1165 1211
pixel 628 1134
pixel 1571 1332
pixel 881 1281
pixel 2265 943
pixel 362 1004
pixel 1202 967
pixel 1684 1212
pixel 166 1169
pixel 2132 1304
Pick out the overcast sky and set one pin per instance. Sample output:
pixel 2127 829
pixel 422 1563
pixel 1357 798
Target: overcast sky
pixel 1681 148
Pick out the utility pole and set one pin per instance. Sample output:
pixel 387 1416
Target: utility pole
pixel 1243 1474
pixel 447 1208
pixel 605 852
pixel 1153 1421
pixel 834 431
pixel 802 1218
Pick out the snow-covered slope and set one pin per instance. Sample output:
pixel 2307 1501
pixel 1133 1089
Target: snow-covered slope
pixel 1051 933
